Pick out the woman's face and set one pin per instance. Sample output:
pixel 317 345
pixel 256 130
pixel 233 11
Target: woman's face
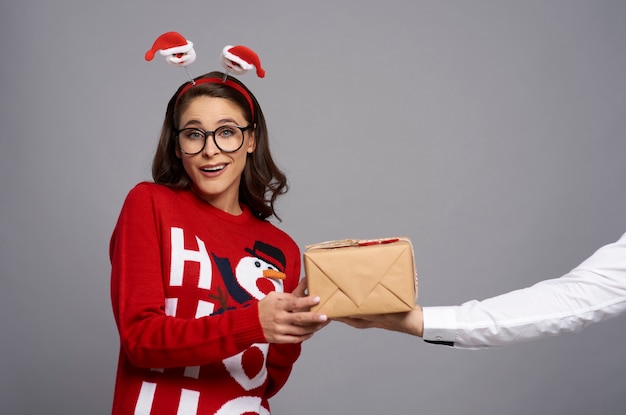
pixel 216 175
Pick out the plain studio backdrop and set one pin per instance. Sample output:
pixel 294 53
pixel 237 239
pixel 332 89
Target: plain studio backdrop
pixel 489 132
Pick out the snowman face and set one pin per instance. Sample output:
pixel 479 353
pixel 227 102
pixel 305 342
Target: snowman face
pixel 249 274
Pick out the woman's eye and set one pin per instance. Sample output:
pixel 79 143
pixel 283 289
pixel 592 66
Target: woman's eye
pixel 226 132
pixel 194 135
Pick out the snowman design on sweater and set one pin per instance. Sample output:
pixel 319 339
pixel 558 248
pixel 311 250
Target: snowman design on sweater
pixel 246 281
pixel 249 279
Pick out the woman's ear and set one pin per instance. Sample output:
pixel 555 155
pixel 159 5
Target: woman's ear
pixel 251 142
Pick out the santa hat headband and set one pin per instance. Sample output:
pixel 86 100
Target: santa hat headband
pixel 179 51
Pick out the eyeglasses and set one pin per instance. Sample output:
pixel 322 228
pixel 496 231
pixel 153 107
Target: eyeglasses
pixel 227 138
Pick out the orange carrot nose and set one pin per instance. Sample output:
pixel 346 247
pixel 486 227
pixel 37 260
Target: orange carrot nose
pixel 271 273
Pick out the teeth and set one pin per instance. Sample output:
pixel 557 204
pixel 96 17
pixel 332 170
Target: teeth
pixel 213 169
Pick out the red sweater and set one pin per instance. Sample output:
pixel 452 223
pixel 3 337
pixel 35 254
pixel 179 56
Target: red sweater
pixel 185 281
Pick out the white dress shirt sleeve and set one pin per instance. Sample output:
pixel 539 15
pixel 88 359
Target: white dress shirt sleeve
pixel 593 291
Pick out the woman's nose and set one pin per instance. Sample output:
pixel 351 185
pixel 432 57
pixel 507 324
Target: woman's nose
pixel 210 148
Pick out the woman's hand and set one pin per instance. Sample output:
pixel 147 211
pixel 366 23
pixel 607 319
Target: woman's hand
pixel 286 318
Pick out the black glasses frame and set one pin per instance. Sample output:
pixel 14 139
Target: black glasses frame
pixel 212 133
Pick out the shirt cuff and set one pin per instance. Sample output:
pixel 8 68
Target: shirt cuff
pixel 440 325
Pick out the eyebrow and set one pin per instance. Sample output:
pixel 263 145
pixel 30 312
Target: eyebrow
pixel 195 122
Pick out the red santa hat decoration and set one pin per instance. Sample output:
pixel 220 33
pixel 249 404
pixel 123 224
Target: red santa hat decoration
pixel 240 59
pixel 179 51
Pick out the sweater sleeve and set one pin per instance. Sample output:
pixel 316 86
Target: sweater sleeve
pixel 148 336
pixel 280 360
pixel 592 292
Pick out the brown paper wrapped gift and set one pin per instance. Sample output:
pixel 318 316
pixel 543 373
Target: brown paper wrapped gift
pixel 359 277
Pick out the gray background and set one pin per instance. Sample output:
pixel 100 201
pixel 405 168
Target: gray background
pixel 490 132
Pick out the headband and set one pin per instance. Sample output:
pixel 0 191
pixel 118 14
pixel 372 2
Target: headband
pixel 179 51
pixel 223 81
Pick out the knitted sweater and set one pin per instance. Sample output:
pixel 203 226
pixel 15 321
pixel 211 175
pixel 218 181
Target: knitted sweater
pixel 185 281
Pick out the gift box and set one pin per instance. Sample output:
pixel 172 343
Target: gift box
pixel 357 277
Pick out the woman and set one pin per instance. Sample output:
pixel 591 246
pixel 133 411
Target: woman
pixel 200 278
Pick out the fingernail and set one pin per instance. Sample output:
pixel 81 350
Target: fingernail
pixel 323 317
pixel 316 299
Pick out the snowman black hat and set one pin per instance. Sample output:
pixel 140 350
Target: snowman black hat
pixel 269 254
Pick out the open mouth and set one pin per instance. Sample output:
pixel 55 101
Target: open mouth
pixel 213 169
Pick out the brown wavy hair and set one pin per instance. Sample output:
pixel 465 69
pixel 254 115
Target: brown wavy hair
pixel 261 181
